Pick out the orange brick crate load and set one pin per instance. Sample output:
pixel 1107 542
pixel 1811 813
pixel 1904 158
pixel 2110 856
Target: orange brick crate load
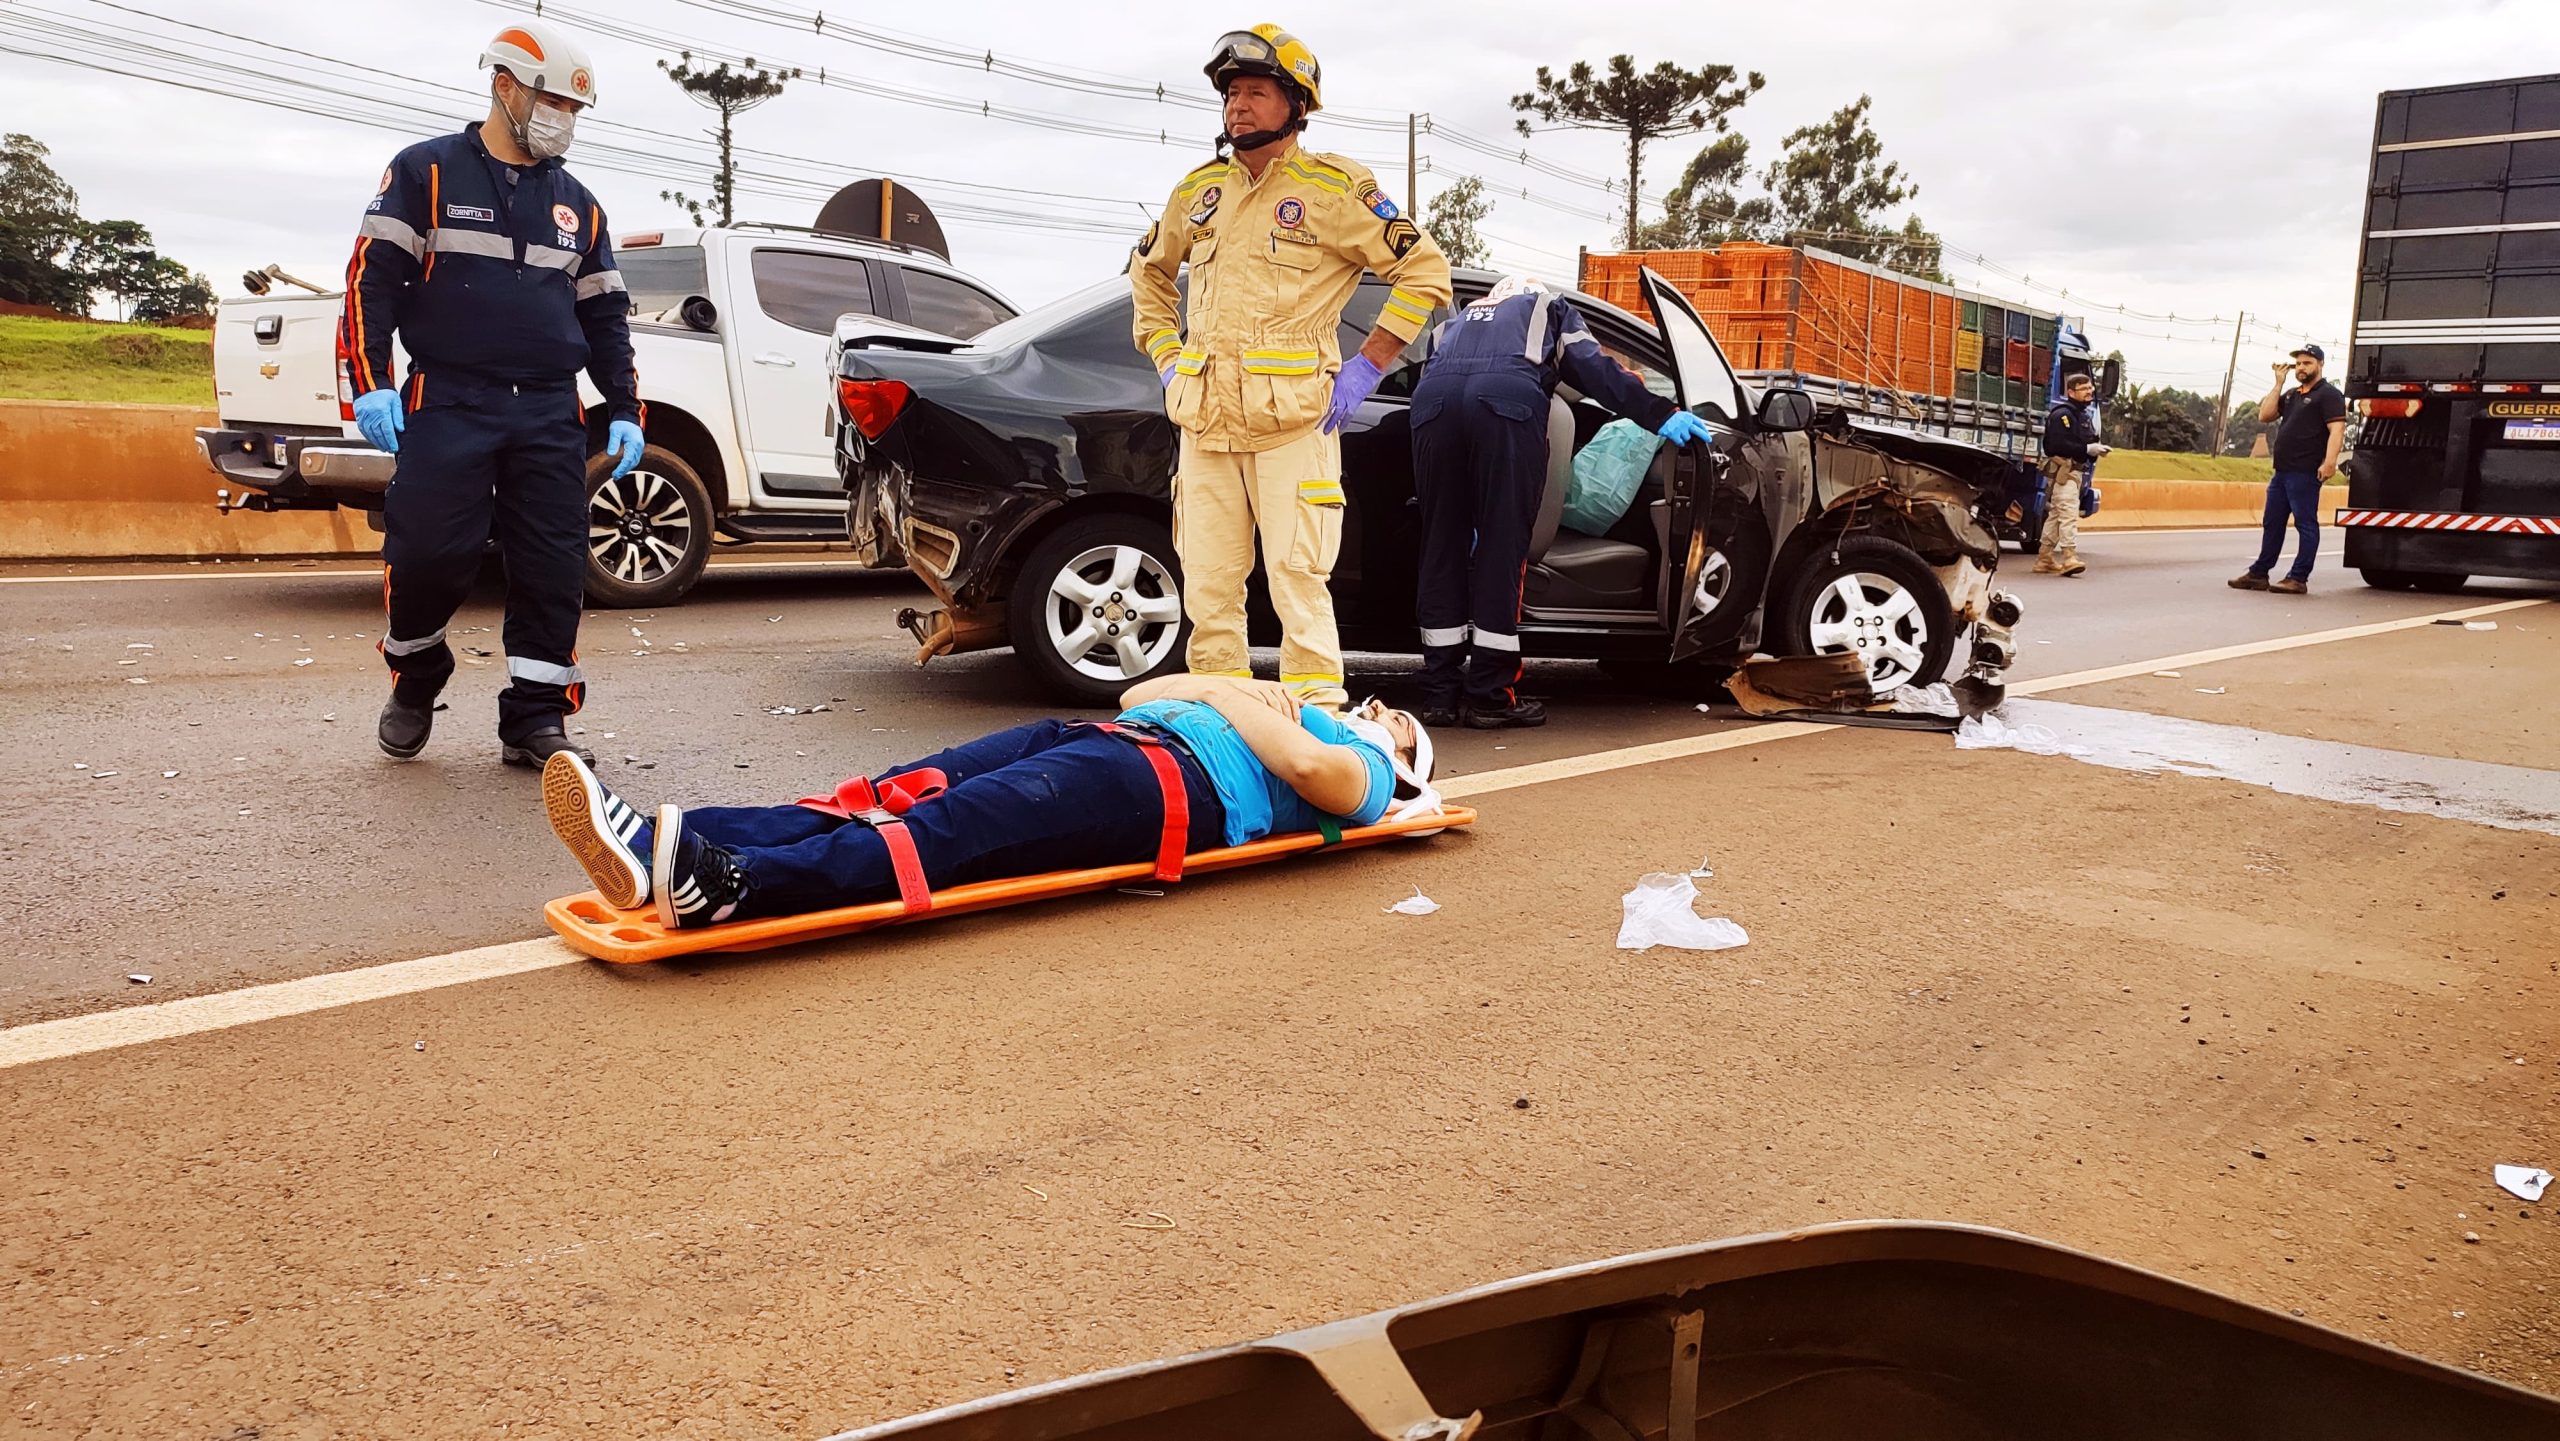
pixel 1791 308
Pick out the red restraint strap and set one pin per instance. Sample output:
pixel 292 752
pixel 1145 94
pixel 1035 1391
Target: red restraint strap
pixel 1176 841
pixel 880 806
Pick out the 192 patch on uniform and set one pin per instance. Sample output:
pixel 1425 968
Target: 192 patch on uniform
pixel 567 220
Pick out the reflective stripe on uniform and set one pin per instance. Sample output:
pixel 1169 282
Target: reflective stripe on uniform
pixel 1534 350
pixel 1164 344
pixel 1191 362
pixel 552 257
pixel 1487 640
pixel 1320 491
pixel 398 232
pixel 1409 308
pixel 543 671
pixel 391 646
pixel 471 242
pixel 1282 362
pixel 603 282
pixel 1330 179
pixel 1310 682
pixel 1445 635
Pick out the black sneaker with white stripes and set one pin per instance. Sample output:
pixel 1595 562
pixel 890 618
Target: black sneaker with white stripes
pixel 609 838
pixel 697 883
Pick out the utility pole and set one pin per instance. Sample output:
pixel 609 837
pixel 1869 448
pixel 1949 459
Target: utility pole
pixel 1412 184
pixel 2222 414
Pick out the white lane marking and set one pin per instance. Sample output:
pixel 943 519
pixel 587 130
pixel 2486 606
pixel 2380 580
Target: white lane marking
pixel 2260 647
pixel 716 567
pixel 167 1020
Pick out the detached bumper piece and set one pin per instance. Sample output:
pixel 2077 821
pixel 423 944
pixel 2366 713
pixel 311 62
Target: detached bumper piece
pixel 587 923
pixel 1911 1331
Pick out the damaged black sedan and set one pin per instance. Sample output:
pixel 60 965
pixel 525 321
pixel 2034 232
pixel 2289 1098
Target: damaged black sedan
pixel 1026 476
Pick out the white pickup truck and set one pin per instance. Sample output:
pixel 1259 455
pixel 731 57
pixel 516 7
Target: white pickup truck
pixel 732 327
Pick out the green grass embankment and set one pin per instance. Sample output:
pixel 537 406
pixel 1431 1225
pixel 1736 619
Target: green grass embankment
pixel 2180 465
pixel 90 360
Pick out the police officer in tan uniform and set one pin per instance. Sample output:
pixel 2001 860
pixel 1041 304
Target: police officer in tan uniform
pixel 1276 239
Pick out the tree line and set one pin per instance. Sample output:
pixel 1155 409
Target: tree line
pixel 50 256
pixel 1830 186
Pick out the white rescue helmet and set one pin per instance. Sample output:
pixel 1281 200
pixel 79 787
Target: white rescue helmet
pixel 543 58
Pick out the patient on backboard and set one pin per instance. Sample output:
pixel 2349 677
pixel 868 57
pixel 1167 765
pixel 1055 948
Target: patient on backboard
pixel 1192 763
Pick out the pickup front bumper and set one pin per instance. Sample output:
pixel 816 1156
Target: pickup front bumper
pixel 283 471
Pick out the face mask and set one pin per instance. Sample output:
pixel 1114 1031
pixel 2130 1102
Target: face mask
pixel 546 130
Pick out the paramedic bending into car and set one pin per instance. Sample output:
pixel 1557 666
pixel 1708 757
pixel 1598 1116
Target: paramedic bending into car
pixel 1194 763
pixel 1479 465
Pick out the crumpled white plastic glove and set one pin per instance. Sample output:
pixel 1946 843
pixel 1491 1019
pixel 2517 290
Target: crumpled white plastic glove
pixel 1657 913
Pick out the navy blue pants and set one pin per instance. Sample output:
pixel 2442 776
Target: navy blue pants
pixel 478 459
pixel 1049 796
pixel 2293 494
pixel 1479 465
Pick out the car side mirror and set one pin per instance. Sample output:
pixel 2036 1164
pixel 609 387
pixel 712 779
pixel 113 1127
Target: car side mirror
pixel 1786 408
pixel 2110 376
pixel 699 314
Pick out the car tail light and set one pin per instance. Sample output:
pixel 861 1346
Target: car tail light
pixel 2388 409
pixel 872 406
pixel 641 241
pixel 346 381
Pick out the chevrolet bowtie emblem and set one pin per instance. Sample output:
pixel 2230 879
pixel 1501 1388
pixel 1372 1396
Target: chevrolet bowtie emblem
pixel 271 370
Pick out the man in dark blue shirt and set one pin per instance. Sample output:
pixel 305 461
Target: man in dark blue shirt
pixel 494 266
pixel 1479 468
pixel 2310 417
pixel 2071 445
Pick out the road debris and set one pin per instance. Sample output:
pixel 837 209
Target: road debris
pixel 137 680
pixel 1148 891
pixel 419 1046
pixel 2480 625
pixel 1416 904
pixel 1705 869
pixel 1994 732
pixel 102 775
pixel 2169 674
pixel 2216 690
pixel 1155 1221
pixel 168 775
pixel 2526 1182
pixel 306 660
pixel 139 978
pixel 1658 913
pixel 1034 1190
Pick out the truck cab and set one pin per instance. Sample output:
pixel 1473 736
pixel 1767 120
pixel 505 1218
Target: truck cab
pixel 731 330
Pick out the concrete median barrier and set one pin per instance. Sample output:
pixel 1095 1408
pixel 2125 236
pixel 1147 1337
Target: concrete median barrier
pixel 2135 504
pixel 96 482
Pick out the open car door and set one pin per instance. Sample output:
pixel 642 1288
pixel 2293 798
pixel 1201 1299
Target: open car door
pixel 1718 563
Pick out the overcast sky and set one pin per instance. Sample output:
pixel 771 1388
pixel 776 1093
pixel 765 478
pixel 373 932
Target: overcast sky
pixel 2163 155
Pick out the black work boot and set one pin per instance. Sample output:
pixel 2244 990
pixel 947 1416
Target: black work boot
pixel 1437 711
pixel 404 727
pixel 1493 715
pixel 537 749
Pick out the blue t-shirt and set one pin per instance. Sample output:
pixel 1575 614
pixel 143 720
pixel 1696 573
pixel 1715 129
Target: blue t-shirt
pixel 1259 803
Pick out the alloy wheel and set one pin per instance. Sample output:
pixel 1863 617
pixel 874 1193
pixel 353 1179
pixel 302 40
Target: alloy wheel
pixel 1876 618
pixel 639 527
pixel 1113 612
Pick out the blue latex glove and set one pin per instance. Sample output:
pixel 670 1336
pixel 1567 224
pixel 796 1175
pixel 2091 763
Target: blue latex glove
pixel 622 441
pixel 1684 427
pixel 381 417
pixel 1351 385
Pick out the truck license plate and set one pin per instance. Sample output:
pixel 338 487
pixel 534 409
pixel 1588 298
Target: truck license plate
pixel 2533 430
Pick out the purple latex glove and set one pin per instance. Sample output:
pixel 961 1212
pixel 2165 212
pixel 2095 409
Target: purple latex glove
pixel 1352 385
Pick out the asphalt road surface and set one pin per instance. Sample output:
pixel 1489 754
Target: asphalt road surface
pixel 193 772
pixel 2265 1043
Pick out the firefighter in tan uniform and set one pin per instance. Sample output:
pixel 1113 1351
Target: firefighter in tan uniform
pixel 1276 239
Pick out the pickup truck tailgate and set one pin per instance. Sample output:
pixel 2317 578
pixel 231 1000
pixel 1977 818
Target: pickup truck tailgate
pixel 275 361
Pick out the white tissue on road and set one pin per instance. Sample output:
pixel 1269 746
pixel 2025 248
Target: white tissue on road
pixel 1658 913
pixel 2525 1181
pixel 1416 904
pixel 1993 732
pixel 2479 625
